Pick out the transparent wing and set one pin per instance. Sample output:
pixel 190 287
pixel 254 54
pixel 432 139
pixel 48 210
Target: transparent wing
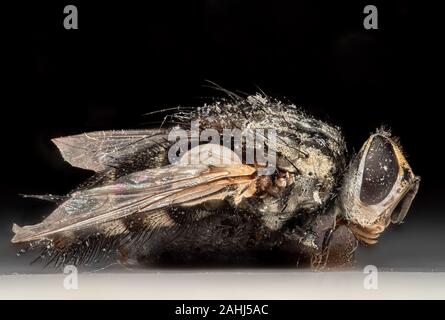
pixel 141 191
pixel 100 150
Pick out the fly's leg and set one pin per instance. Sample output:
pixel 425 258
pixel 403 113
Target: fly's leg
pixel 307 238
pixel 336 248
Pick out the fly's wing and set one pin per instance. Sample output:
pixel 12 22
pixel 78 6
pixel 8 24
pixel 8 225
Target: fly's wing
pixel 101 150
pixel 143 191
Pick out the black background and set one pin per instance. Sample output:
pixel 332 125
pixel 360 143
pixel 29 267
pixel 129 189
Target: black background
pixel 129 58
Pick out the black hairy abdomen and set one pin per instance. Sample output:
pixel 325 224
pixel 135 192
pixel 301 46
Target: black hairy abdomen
pixel 223 239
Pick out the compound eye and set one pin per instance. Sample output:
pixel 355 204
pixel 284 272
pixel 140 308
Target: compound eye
pixel 378 188
pixel 380 171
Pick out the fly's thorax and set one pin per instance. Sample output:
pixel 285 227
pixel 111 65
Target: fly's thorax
pixel 315 161
pixel 314 181
pixel 305 187
pixel 309 150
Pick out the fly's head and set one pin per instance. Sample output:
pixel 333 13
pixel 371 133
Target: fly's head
pixel 378 188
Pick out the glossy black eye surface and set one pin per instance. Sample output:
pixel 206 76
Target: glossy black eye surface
pixel 380 171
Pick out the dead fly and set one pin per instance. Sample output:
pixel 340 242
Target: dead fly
pixel 140 208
